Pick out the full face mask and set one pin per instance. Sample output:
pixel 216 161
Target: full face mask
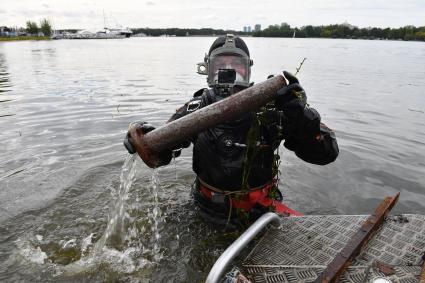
pixel 227 57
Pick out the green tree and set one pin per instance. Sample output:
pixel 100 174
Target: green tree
pixel 326 33
pixel 420 35
pixel 32 27
pixel 46 27
pixel 386 33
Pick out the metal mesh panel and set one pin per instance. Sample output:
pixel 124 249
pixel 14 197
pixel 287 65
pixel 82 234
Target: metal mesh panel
pixel 309 274
pixel 300 249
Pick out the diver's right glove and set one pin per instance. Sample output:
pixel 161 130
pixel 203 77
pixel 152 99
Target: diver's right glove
pixel 128 141
pixel 163 157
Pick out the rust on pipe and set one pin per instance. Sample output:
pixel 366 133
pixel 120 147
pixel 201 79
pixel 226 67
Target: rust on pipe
pixel 346 256
pixel 171 135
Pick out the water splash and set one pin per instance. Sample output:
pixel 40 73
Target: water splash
pixel 127 228
pixel 116 230
pixel 175 164
pixel 131 240
pixel 155 216
pixel 30 253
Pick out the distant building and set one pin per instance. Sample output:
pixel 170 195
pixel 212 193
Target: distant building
pixel 4 31
pixel 257 27
pixel 247 29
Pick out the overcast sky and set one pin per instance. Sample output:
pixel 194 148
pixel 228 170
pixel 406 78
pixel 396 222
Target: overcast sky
pixel 225 14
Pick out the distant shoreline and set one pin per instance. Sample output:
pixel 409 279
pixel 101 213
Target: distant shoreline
pixel 342 31
pixel 336 31
pixel 251 36
pixel 22 38
pixel 45 38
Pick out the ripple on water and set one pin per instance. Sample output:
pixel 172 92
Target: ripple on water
pixel 148 229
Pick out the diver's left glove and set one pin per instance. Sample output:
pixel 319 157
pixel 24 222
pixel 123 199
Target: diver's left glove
pixel 302 121
pixel 128 141
pixel 291 99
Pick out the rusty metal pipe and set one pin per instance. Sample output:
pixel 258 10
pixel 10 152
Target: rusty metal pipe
pixel 171 135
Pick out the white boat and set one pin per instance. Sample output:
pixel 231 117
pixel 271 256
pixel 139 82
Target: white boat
pixel 86 34
pixel 120 31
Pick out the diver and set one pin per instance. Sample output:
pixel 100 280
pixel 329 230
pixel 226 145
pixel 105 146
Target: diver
pixel 237 162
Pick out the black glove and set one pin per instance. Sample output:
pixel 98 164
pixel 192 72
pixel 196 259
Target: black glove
pixel 128 142
pixel 305 127
pixel 292 98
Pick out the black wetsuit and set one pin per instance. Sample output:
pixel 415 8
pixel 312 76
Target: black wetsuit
pixel 219 152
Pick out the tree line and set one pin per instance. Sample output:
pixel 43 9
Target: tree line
pixel 285 30
pixel 182 31
pixel 343 31
pixel 45 27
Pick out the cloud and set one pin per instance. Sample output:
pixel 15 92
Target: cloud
pixel 220 14
pixel 211 17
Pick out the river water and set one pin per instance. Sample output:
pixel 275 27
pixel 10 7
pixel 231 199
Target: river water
pixel 65 107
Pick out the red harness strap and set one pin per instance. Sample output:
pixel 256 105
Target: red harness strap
pixel 250 199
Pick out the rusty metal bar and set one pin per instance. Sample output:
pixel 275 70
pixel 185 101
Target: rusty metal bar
pixel 346 256
pixel 170 135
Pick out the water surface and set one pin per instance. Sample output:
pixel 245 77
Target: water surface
pixel 66 105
